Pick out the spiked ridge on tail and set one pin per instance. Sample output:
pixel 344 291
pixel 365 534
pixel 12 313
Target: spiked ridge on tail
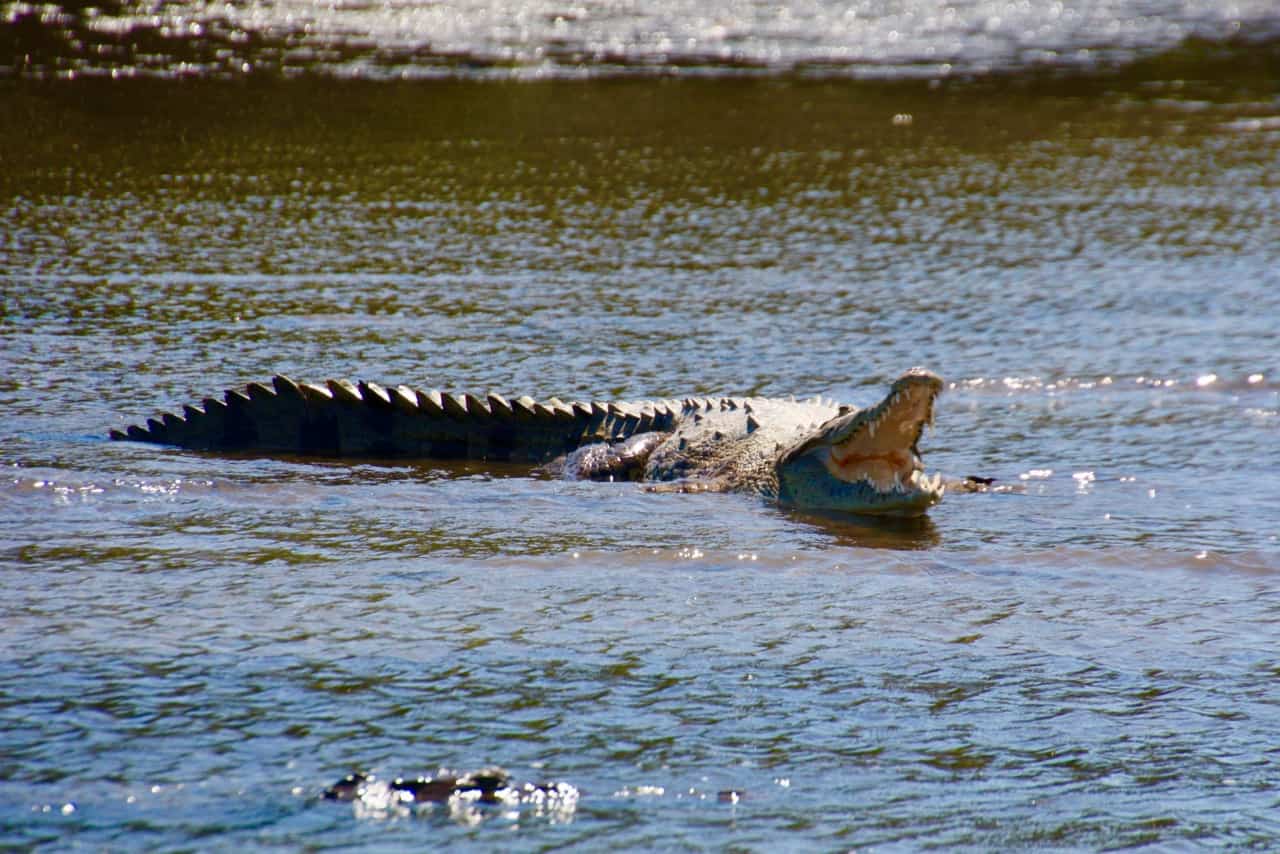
pixel 344 419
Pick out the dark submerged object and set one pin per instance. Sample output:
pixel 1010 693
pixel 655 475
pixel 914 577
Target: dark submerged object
pixel 812 454
pixel 491 785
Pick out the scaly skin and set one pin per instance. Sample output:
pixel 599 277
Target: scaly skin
pixel 814 454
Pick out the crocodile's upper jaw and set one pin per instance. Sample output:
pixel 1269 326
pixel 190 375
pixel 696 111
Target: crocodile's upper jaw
pixel 868 460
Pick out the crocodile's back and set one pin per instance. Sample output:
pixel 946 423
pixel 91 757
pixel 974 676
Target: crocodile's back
pixel 735 443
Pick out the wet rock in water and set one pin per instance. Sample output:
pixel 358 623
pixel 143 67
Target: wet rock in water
pixel 346 789
pixel 426 789
pixel 486 786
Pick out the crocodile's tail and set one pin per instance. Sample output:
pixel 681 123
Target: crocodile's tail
pixel 344 419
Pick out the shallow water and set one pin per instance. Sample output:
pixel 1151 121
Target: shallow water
pixel 194 646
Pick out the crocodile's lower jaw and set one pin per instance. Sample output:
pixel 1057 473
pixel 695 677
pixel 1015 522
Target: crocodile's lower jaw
pixel 807 483
pixel 897 472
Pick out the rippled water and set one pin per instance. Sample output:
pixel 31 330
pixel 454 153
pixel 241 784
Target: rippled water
pixel 192 647
pixel 552 38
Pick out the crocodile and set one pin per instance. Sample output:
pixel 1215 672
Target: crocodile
pixel 813 455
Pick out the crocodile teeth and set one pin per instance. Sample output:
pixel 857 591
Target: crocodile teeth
pixel 924 482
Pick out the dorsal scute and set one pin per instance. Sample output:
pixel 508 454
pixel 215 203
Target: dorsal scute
pixel 405 399
pixel 431 401
pixel 476 406
pixel 454 405
pixel 345 391
pixel 498 406
pixel 562 410
pixel 258 391
pixel 523 407
pixel 374 394
pixel 285 387
pixel 315 393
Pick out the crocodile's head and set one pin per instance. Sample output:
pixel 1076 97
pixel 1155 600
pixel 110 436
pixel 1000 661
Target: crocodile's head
pixel 867 460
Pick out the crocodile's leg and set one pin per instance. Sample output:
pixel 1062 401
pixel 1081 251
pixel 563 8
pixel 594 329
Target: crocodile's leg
pixel 609 461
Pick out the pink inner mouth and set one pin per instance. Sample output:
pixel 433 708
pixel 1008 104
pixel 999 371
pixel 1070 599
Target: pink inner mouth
pixel 880 452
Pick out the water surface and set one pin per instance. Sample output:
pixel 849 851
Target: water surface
pixel 194 646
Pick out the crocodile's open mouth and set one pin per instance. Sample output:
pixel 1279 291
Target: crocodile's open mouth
pixel 878 447
pixel 880 444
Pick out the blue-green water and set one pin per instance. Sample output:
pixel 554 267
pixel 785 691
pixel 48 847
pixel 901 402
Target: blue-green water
pixel 193 647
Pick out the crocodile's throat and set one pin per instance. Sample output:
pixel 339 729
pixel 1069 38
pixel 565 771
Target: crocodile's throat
pixel 880 446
